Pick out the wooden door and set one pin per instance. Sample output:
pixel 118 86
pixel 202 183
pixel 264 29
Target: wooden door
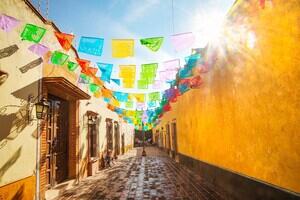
pixel 57 141
pixel 92 140
pixel 62 142
pixel 117 139
pixel 123 143
pixel 168 137
pixel 174 137
pixel 50 158
pixel 109 134
pixel 157 137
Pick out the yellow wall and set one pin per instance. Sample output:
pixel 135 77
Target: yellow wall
pixel 14 129
pixel 23 189
pixel 245 117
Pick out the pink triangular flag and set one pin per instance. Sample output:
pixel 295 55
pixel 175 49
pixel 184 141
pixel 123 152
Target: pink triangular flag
pixel 158 84
pixel 167 75
pixel 182 41
pixel 140 106
pixel 8 23
pixel 39 49
pixel 172 64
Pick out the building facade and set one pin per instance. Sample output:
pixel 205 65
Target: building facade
pixel 70 144
pixel 240 129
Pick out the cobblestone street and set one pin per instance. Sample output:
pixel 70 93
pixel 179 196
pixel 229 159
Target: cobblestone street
pixel 132 176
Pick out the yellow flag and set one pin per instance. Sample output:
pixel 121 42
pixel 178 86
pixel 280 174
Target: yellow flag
pixel 130 113
pixel 122 48
pixel 128 83
pixel 140 97
pixel 127 71
pixel 115 102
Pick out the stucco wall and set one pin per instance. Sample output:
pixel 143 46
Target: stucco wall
pixel 14 92
pixel 14 129
pixel 128 131
pixel 246 116
pixel 99 106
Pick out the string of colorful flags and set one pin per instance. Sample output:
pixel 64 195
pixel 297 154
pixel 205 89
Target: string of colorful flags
pixel 135 108
pixel 121 48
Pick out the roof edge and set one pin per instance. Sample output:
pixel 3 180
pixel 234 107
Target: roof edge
pixel 46 21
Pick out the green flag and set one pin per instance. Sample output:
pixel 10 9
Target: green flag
pixel 94 88
pixel 154 96
pixel 150 68
pixel 33 33
pixel 153 44
pixel 129 104
pixel 72 66
pixel 142 84
pixel 147 77
pixel 149 72
pixel 59 58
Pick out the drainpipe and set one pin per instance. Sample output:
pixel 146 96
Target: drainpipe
pixel 37 184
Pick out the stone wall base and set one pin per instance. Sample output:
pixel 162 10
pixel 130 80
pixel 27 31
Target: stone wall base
pixel 236 185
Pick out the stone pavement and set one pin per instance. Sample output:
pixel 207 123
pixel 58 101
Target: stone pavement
pixel 155 176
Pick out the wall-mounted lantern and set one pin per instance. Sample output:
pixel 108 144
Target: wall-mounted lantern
pixel 42 108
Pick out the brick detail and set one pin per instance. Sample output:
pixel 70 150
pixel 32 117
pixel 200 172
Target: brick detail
pixel 73 139
pixel 43 150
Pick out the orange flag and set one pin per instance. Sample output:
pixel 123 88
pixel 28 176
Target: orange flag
pixel 110 107
pixel 65 40
pixel 98 81
pixel 84 64
pixel 106 93
pixel 93 70
pixel 85 67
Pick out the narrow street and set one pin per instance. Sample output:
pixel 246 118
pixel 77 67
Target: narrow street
pixel 132 176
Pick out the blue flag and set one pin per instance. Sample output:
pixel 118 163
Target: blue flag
pixel 117 81
pixel 91 45
pixel 106 100
pixel 120 96
pixel 106 70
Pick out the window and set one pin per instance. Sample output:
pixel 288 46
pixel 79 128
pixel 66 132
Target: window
pixel 93 134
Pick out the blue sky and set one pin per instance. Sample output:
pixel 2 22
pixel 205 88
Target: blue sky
pixel 135 19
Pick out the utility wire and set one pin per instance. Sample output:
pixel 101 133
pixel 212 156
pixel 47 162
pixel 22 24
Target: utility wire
pixel 47 9
pixel 39 5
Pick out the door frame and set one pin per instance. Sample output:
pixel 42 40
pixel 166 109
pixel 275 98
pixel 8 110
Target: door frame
pixel 64 89
pixel 54 142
